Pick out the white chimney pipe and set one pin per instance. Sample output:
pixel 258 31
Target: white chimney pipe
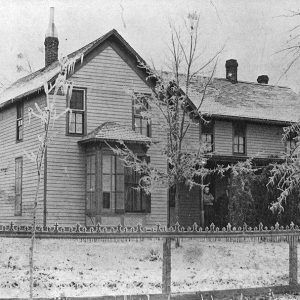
pixel 51 31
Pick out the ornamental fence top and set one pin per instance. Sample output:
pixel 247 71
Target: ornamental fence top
pixel 273 233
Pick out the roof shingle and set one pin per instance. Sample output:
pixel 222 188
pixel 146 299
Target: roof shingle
pixel 112 131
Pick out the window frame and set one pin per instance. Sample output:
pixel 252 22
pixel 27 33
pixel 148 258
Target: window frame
pixel 82 112
pixel 242 128
pixel 90 210
pixel 18 178
pixel 114 174
pixel 292 138
pixel 19 119
pixel 141 119
pixel 209 131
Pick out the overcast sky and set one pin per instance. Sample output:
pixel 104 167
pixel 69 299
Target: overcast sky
pixel 252 31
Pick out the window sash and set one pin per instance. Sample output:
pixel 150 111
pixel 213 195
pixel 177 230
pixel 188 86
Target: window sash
pixel 112 180
pixel 208 140
pixel 239 139
pixel 76 122
pixel 19 122
pixel 76 117
pixel 91 204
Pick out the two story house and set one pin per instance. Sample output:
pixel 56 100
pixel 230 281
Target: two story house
pixel 83 181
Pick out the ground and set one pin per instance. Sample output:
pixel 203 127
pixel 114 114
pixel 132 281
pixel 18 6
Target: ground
pixel 78 268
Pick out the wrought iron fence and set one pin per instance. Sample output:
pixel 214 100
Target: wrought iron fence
pixel 277 233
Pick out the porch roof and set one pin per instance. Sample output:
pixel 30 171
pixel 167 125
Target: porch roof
pixel 112 131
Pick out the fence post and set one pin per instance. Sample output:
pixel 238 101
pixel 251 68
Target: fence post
pixel 293 260
pixel 166 267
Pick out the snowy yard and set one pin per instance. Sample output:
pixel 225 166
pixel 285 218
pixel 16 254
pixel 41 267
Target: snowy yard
pixel 103 268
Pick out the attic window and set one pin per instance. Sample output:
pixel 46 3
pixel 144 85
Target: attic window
pixel 76 117
pixel 19 125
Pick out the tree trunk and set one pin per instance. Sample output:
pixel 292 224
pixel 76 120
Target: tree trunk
pixel 177 203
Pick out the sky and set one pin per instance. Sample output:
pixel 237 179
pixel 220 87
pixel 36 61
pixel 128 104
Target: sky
pixel 253 32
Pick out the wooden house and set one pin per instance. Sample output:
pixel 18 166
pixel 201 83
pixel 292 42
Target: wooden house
pixel 83 182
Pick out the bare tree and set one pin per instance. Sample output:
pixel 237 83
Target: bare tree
pixel 48 116
pixel 171 109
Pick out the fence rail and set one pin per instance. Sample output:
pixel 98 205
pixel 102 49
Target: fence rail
pixel 277 233
pixel 229 233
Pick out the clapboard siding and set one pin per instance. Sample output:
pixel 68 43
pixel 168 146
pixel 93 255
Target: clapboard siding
pixel 9 151
pixel 108 80
pixel 223 137
pixel 264 140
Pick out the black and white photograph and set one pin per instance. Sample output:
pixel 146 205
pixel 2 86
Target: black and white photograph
pixel 149 149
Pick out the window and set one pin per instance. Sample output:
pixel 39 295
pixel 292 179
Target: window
pixel 136 200
pixel 20 112
pixel 18 186
pixel 90 184
pixel 76 117
pixel 207 136
pixel 112 184
pixel 239 138
pixel 140 123
pixel 291 143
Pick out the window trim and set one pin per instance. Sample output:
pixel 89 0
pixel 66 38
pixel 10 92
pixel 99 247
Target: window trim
pixel 18 159
pixel 21 106
pixel 84 124
pixel 244 125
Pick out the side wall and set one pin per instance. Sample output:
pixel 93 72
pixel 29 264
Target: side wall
pixel 9 151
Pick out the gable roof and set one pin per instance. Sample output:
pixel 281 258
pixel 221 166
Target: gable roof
pixel 34 82
pixel 250 100
pixel 223 99
pixel 112 131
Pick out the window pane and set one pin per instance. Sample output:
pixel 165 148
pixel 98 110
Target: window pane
pixel 236 140
pixel 120 183
pixel 235 148
pixel 119 166
pixel 241 140
pixel 106 200
pixel 106 182
pixel 93 162
pixel 77 99
pixel 106 164
pixel 79 122
pixel 72 122
pixel 119 201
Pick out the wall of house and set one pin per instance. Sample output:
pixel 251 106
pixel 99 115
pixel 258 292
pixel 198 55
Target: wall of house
pixel 108 80
pixel 9 151
pixel 262 140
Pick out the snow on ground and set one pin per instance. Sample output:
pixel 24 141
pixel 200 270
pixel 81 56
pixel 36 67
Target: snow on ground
pixel 78 268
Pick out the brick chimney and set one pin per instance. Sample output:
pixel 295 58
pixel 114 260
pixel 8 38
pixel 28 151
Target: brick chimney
pixel 231 70
pixel 51 41
pixel 263 79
